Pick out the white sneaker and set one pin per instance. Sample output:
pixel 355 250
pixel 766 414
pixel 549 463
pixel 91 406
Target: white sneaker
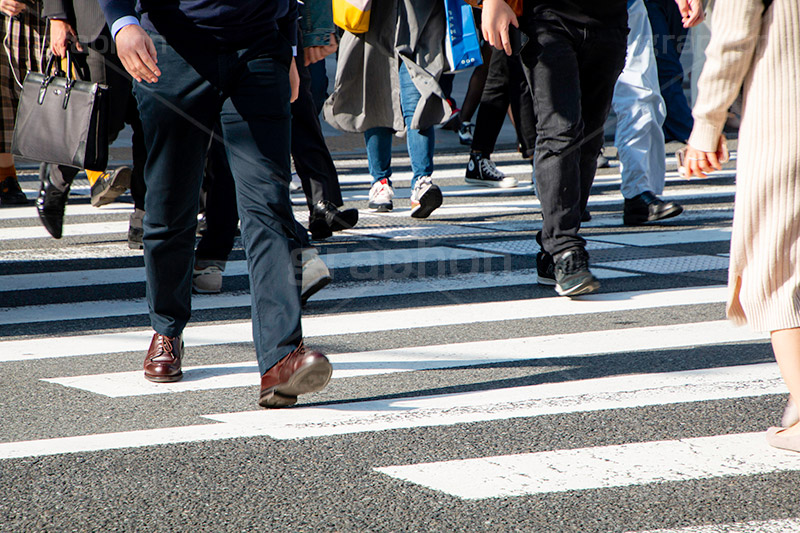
pixel 425 197
pixel 380 196
pixel 207 276
pixel 315 274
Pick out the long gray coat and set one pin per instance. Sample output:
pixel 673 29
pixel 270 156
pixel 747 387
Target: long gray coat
pixel 367 89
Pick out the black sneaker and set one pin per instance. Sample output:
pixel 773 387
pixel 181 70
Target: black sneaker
pixel 572 273
pixel 545 269
pixel 482 171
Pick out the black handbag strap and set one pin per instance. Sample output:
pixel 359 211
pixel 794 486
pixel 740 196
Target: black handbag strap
pixel 49 76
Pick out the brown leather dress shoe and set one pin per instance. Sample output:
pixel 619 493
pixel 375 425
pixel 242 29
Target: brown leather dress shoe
pixel 163 361
pixel 300 372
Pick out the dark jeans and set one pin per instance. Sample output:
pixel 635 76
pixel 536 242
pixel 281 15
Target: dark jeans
pixel 505 85
pixel 572 70
pixel 222 217
pixel 669 37
pixel 102 66
pixel 312 159
pixel 247 91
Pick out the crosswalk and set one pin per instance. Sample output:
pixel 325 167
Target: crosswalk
pixel 435 328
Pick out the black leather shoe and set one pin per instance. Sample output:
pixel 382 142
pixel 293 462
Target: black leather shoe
pixel 647 207
pixel 326 218
pixel 11 193
pixel 50 205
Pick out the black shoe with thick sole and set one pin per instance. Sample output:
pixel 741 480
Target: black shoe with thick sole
pixel 647 207
pixel 573 277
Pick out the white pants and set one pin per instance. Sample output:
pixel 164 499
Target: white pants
pixel 640 111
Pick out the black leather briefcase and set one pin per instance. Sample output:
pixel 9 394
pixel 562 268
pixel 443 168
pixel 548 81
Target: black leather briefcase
pixel 62 120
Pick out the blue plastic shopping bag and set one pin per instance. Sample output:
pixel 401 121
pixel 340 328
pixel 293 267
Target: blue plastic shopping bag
pixel 462 46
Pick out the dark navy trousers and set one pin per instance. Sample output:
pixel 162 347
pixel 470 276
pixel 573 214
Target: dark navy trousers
pixel 247 91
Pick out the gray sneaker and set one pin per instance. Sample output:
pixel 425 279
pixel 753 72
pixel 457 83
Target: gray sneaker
pixel 136 230
pixel 207 276
pixel 573 277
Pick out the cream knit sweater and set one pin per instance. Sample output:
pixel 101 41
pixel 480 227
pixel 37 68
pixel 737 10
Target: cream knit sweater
pixel 761 51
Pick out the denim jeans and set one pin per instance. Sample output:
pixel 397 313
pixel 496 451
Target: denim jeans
pixel 572 70
pixel 247 91
pixel 669 36
pixel 420 143
pixel 640 111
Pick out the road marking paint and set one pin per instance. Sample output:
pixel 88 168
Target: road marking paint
pixel 787 525
pixel 356 259
pixel 536 400
pixel 663 238
pixel 315 326
pixel 600 467
pixel 584 344
pixel 70 230
pixel 337 292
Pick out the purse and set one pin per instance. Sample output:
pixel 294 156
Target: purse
pixel 62 120
pixel 352 15
pixel 462 46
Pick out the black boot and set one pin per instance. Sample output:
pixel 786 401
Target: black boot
pixel 326 218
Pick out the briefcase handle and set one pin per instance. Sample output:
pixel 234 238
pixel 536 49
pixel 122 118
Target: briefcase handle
pixel 49 77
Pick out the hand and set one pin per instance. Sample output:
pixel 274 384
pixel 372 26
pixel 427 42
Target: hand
pixel 495 19
pixel 312 54
pixel 691 12
pixel 698 163
pixel 138 53
pixel 12 8
pixel 294 80
pixel 62 34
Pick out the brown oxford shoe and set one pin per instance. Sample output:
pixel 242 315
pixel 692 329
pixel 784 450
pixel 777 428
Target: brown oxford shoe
pixel 300 372
pixel 163 361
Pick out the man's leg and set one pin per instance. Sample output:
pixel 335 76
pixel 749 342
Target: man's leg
pixel 551 64
pixel 481 170
pixel 640 111
pixel 669 36
pixel 178 114
pixel 314 165
pixel 425 195
pixel 378 143
pixel 639 136
pixel 256 119
pixel 256 123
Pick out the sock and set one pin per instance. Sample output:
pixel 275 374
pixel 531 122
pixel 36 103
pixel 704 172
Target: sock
pixel 93 176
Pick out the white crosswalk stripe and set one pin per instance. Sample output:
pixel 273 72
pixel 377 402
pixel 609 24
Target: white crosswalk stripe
pixel 411 304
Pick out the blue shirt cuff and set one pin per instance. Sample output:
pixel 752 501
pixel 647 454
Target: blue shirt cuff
pixel 121 23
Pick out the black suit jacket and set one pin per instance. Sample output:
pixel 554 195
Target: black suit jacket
pixel 84 15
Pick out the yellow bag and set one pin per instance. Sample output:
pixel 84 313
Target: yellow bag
pixel 352 15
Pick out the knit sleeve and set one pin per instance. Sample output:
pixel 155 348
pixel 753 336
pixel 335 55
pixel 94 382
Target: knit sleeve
pixel 735 29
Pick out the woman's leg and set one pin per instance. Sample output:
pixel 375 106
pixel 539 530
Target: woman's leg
pixel 786 345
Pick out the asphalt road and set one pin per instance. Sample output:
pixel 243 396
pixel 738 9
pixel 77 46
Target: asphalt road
pixel 466 397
